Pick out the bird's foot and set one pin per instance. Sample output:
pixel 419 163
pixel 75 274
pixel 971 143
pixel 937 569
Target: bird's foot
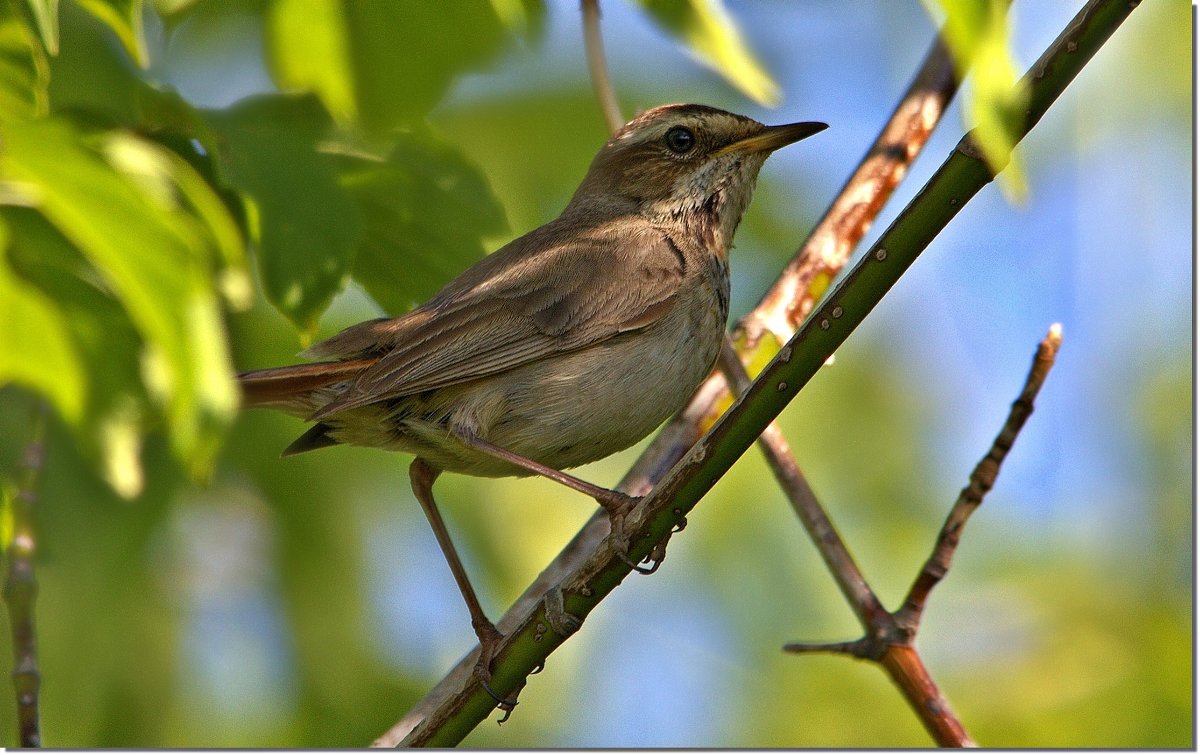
pixel 618 504
pixel 657 554
pixel 489 641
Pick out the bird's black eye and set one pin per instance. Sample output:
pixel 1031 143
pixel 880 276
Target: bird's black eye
pixel 680 140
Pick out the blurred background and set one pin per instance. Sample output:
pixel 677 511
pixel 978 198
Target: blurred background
pixel 303 601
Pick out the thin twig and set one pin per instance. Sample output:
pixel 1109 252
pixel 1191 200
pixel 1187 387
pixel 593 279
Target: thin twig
pixel 594 43
pixel 20 586
pixel 816 522
pixel 982 478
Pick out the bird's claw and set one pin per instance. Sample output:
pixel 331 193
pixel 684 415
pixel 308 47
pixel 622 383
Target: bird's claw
pixel 489 638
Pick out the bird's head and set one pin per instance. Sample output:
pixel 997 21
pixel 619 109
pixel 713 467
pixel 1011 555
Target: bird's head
pixel 685 163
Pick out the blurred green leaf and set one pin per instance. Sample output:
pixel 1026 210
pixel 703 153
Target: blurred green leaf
pixel 379 63
pixel 45 16
pixel 522 16
pixel 977 30
pixel 426 210
pixel 35 345
pixel 114 202
pixel 24 72
pixel 306 227
pixel 116 411
pixel 124 17
pixel 712 37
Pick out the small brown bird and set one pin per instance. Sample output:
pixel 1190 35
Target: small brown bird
pixel 570 343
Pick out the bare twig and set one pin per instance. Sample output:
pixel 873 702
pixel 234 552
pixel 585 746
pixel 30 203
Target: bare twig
pixel 980 482
pixel 816 522
pixel 879 624
pixel 20 586
pixel 605 94
pixel 890 638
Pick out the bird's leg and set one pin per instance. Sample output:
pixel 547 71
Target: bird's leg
pixel 614 502
pixel 422 476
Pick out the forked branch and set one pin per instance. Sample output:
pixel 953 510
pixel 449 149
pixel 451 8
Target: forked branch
pixel 890 638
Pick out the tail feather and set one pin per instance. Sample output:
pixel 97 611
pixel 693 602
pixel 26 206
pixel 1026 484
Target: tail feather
pixel 290 386
pixel 315 437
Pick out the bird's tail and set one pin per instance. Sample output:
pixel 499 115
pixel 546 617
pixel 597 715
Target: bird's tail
pixel 291 388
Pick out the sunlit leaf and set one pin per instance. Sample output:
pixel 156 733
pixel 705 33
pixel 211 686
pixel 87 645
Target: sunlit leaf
pixel 306 227
pixel 712 37
pixel 45 17
pixel 124 17
pixel 24 72
pixel 35 345
pixel 310 49
pixel 426 211
pixel 119 217
pixel 116 404
pixel 522 16
pixel 379 63
pixel 977 34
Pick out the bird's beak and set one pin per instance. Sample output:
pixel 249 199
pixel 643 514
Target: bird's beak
pixel 773 137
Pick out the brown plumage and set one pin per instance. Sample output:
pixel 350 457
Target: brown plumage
pixel 570 343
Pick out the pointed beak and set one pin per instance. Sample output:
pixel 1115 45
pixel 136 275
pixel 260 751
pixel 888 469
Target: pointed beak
pixel 773 137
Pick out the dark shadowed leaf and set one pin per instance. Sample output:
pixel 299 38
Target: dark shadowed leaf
pixel 427 210
pixel 305 226
pixel 376 62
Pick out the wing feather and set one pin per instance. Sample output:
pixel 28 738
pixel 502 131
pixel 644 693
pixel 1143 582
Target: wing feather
pixel 526 302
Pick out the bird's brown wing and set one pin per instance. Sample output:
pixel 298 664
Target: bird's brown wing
pixel 517 306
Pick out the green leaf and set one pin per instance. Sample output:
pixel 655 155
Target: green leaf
pixel 427 211
pixel 712 37
pixel 114 203
pixel 526 17
pixel 124 17
pixel 24 72
pixel 35 343
pixel 116 405
pixel 305 225
pixel 45 17
pixel 976 32
pixel 379 63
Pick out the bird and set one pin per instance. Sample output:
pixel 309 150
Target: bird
pixel 568 344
